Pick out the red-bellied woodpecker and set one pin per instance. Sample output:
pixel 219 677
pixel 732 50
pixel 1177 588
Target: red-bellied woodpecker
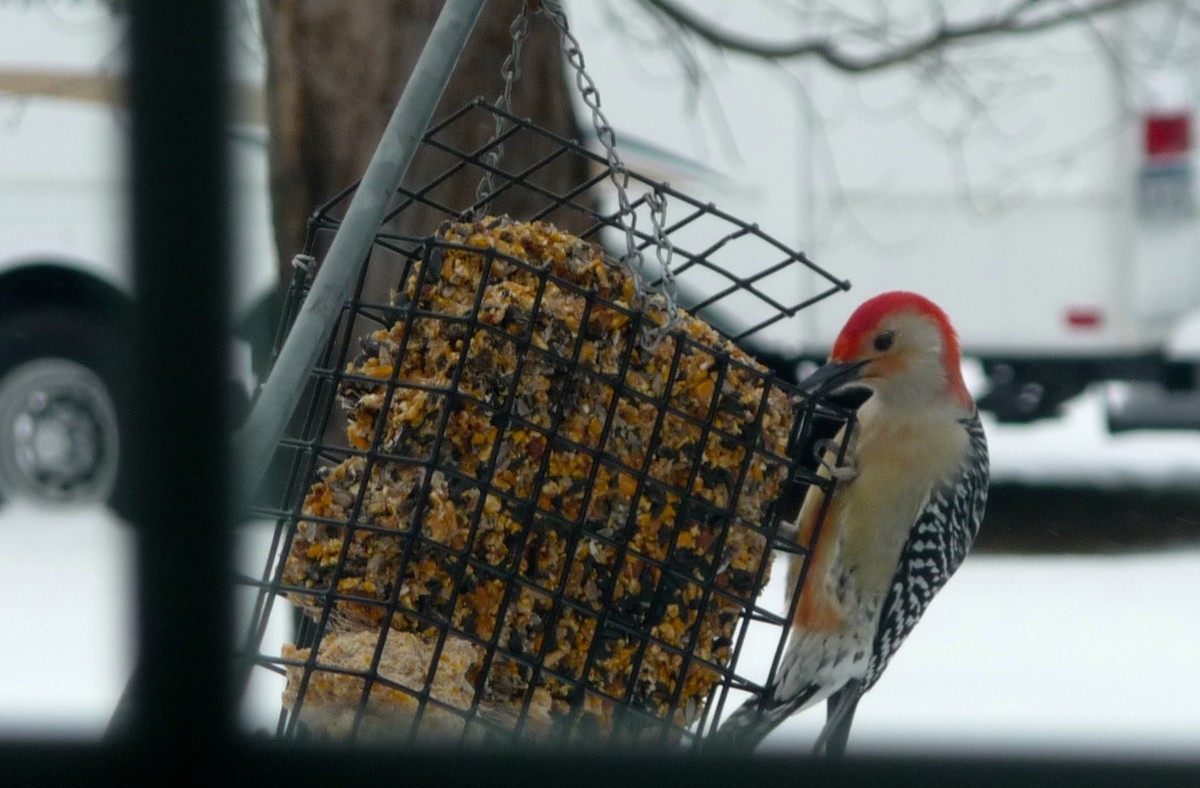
pixel 909 496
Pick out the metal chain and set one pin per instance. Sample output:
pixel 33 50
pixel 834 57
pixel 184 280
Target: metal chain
pixel 664 251
pixel 619 175
pixel 510 72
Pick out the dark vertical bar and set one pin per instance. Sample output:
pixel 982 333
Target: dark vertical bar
pixel 179 702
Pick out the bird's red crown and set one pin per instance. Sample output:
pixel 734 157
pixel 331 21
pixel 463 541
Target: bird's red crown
pixel 867 317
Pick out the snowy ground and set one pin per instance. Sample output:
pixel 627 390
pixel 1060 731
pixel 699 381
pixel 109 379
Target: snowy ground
pixel 1043 655
pixel 1076 450
pixel 1032 654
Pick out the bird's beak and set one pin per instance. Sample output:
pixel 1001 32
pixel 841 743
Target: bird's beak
pixel 833 376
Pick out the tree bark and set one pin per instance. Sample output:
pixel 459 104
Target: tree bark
pixel 335 72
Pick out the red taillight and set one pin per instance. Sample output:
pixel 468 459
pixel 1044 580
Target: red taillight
pixel 1084 317
pixel 1168 136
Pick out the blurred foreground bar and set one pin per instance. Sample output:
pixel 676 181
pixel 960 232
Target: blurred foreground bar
pixel 178 703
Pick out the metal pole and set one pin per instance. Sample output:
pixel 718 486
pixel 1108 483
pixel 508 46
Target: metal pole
pixel 314 324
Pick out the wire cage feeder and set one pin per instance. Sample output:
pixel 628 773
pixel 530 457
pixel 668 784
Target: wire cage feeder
pixel 522 501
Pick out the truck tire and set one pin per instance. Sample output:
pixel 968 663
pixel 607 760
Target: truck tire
pixel 62 437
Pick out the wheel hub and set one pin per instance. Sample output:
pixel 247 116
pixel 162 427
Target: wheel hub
pixel 60 429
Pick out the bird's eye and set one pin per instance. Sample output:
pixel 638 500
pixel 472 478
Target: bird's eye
pixel 884 340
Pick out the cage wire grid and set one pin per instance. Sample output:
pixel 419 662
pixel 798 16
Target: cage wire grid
pixel 671 682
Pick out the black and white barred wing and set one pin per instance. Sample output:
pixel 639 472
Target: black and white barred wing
pixel 936 547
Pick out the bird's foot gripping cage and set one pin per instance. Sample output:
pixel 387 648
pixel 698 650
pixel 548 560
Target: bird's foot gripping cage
pixel 544 509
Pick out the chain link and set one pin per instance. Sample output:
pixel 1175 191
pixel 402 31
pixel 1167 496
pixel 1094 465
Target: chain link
pixel 510 72
pixel 664 251
pixel 619 175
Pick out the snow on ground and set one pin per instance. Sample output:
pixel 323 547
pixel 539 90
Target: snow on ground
pixel 67 613
pixel 1092 654
pixel 1075 449
pixel 67 647
pixel 1079 655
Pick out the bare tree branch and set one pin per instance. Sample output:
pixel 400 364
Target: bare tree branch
pixel 1024 16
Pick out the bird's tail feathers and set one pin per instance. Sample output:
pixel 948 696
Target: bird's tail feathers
pixel 743 730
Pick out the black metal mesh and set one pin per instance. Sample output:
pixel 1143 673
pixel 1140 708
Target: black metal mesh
pixel 522 521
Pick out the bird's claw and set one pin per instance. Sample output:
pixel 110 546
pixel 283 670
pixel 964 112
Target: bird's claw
pixel 788 531
pixel 846 472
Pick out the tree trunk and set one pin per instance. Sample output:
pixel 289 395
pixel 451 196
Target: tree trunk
pixel 335 72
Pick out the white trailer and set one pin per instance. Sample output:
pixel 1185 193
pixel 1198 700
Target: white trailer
pixel 65 289
pixel 1050 207
pixel 1041 187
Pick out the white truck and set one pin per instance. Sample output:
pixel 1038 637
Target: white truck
pixel 65 289
pixel 1041 187
pixel 1050 206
